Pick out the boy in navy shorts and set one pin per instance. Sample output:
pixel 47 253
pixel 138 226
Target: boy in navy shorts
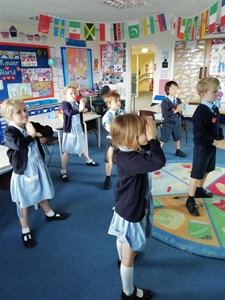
pixel 207 136
pixel 171 112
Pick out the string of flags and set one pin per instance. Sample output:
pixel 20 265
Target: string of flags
pixel 184 28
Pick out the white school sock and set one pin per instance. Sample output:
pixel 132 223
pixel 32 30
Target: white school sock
pixel 25 230
pixel 89 161
pixel 127 276
pixel 119 245
pixel 63 172
pixel 50 213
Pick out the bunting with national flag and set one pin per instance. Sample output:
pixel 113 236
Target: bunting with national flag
pixel 179 19
pixel 148 26
pixel 59 27
pixel 174 25
pixel 133 29
pixel 203 24
pixel 194 28
pixel 188 29
pixel 222 19
pixel 212 18
pixel 119 31
pixel 74 30
pixel 182 29
pixel 105 32
pixel 89 31
pixel 44 23
pixel 162 22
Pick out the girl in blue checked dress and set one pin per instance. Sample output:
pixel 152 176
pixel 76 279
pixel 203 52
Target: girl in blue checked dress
pixel 31 182
pixel 73 141
pixel 132 219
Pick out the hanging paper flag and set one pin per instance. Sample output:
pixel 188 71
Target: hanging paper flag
pixel 44 23
pixel 89 31
pixel 174 25
pixel 188 29
pixel 222 20
pixel 119 31
pixel 212 17
pixel 182 29
pixel 194 29
pixel 162 22
pixel 133 29
pixel 74 30
pixel 148 25
pixel 203 25
pixel 179 19
pixel 105 32
pixel 59 27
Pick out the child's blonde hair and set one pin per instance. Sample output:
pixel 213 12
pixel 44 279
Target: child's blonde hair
pixel 108 97
pixel 71 86
pixel 207 83
pixel 7 107
pixel 125 130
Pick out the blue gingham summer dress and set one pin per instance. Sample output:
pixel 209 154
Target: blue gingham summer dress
pixel 135 234
pixel 35 184
pixel 73 142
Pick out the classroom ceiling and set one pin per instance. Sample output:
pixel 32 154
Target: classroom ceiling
pixel 96 11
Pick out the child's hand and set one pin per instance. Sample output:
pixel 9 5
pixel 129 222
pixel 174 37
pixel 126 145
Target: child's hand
pixel 81 106
pixel 219 144
pixel 150 128
pixel 179 107
pixel 30 129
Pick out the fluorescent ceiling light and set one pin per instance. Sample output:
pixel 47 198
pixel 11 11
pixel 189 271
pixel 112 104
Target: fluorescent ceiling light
pixel 122 4
pixel 144 50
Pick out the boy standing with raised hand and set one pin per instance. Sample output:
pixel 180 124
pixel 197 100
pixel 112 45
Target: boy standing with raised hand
pixel 207 136
pixel 171 112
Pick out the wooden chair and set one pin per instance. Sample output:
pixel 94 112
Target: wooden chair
pixel 48 143
pixel 148 113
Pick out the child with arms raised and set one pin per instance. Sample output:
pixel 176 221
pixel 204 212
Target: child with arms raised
pixel 31 182
pixel 73 141
pixel 132 219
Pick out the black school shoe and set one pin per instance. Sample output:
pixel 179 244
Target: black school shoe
pixel 202 193
pixel 193 208
pixel 57 217
pixel 28 240
pixel 107 184
pixel 92 164
pixel 180 153
pixel 146 296
pixel 64 177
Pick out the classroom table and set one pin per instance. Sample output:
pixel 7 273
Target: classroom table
pixel 57 124
pixel 4 160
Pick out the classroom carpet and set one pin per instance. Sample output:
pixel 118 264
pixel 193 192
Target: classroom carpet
pixel 173 225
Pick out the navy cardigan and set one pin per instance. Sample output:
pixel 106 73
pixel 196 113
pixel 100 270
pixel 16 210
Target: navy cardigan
pixel 18 145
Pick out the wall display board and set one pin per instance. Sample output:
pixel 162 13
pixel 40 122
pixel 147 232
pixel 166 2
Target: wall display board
pixel 25 72
pixel 189 67
pixel 217 58
pixel 113 62
pixel 77 66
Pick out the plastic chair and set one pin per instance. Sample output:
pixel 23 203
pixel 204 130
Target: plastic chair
pixel 48 143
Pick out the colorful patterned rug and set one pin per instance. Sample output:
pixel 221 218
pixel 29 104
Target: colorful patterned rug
pixel 203 235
